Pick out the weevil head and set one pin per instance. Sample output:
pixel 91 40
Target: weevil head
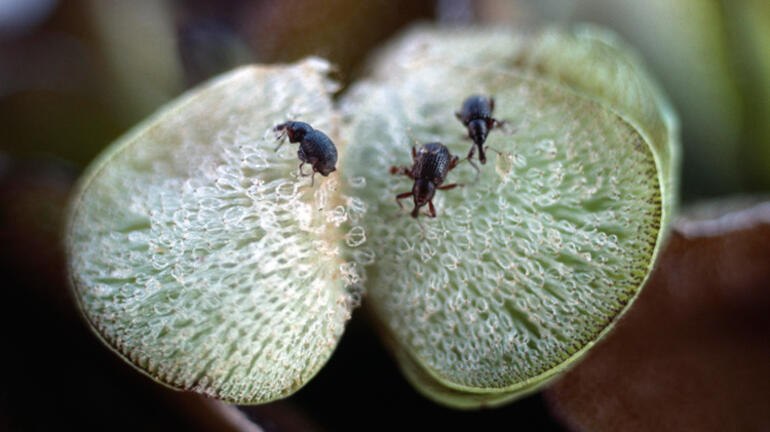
pixel 477 131
pixel 326 169
pixel 295 130
pixel 422 192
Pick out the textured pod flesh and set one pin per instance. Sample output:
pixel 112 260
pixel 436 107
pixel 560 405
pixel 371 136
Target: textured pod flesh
pixel 197 253
pixel 524 270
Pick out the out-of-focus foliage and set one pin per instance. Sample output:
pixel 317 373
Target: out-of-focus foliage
pixel 74 77
pixel 138 45
pixel 748 30
pixel 74 82
pixel 713 59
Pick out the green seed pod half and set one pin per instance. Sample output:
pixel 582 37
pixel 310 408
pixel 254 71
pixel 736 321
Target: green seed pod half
pixel 197 253
pixel 525 269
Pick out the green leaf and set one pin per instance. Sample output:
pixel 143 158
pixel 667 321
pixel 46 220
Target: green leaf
pixel 526 269
pixel 198 255
pixel 748 31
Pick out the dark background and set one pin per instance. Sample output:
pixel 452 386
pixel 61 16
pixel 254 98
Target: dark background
pixel 76 74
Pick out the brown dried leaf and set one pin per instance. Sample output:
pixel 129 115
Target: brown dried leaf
pixel 693 352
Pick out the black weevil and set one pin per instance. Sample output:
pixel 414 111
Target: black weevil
pixel 429 169
pixel 476 115
pixel 315 147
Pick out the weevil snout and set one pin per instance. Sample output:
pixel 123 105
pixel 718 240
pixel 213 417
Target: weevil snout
pixel 478 131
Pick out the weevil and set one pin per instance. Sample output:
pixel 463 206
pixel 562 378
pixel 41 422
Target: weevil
pixel 476 115
pixel 315 147
pixel 429 169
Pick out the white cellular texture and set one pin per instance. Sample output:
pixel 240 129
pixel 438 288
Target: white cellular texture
pixel 524 268
pixel 199 254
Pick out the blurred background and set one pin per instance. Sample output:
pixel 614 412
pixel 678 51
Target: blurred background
pixel 76 74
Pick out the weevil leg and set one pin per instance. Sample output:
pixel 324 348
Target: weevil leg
pixel 503 125
pixel 419 223
pixel 491 103
pixel 312 179
pixel 472 151
pixel 432 209
pixel 451 186
pixel 470 161
pixel 453 163
pixel 281 138
pixel 409 132
pixel 301 164
pixel 414 154
pixel 493 149
pixel 281 126
pixel 407 171
pixel 399 197
pixel 495 123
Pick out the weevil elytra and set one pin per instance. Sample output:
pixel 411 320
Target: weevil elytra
pixel 476 116
pixel 429 169
pixel 315 147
